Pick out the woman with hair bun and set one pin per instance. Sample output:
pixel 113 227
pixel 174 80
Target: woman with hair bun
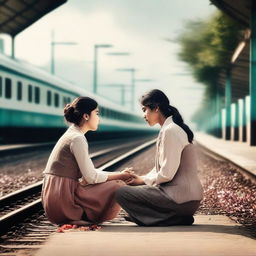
pixel 171 193
pixel 65 199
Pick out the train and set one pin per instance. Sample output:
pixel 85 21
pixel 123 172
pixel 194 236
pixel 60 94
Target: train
pixel 32 102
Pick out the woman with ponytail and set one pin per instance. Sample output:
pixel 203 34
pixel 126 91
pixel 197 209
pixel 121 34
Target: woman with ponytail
pixel 65 199
pixel 171 193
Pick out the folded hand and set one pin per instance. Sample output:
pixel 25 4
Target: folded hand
pixel 83 181
pixel 127 170
pixel 135 180
pixel 126 176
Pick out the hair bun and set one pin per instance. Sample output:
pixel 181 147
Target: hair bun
pixel 69 113
pixel 68 108
pixel 73 112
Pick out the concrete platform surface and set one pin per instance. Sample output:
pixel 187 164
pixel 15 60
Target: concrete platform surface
pixel 240 153
pixel 211 235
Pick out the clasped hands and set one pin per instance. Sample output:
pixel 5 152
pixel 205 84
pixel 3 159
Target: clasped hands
pixel 130 178
pixel 127 175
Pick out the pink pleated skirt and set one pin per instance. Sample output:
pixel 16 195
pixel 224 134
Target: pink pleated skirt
pixel 65 200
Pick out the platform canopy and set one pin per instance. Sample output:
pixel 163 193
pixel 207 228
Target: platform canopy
pixel 238 9
pixel 239 75
pixel 17 15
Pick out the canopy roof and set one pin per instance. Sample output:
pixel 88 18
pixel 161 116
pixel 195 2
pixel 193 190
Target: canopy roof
pixel 17 15
pixel 239 10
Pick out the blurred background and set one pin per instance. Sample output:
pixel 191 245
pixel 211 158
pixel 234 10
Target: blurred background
pixel 145 29
pixel 119 49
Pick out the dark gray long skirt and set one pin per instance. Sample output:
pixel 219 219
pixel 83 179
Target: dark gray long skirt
pixel 149 206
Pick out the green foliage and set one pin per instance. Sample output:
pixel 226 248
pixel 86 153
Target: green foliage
pixel 207 46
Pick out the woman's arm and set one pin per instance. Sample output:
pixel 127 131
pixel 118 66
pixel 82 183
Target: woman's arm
pixel 79 148
pixel 119 176
pixel 170 153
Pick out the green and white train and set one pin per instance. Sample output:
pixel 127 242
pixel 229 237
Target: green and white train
pixel 32 102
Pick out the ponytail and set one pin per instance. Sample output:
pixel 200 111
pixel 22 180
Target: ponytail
pixel 177 119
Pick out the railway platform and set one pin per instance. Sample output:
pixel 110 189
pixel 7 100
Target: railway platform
pixel 210 235
pixel 239 153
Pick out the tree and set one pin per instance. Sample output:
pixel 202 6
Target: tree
pixel 207 46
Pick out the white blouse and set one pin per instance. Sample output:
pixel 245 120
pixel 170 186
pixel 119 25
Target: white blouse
pixel 175 171
pixel 170 143
pixel 79 147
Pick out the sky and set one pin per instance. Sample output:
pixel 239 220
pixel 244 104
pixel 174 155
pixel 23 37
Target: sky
pixel 139 27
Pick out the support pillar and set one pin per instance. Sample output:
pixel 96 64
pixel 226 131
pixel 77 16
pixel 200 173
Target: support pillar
pixel 252 139
pixel 248 118
pixel 242 120
pixel 123 95
pixel 234 121
pixel 223 119
pixel 13 47
pixel 52 54
pixel 133 89
pixel 218 112
pixel 228 105
pixel 95 70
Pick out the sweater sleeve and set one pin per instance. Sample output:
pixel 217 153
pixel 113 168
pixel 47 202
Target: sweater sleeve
pixel 170 153
pixel 79 147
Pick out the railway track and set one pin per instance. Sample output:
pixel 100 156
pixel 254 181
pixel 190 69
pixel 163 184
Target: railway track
pixel 20 204
pixel 29 234
pixel 22 148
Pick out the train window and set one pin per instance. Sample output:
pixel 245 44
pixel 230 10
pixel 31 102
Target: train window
pixel 19 90
pixel 49 98
pixel 37 95
pixel 8 88
pixel 56 100
pixel 65 101
pixel 106 112
pixel 1 88
pixel 30 89
pixel 102 111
